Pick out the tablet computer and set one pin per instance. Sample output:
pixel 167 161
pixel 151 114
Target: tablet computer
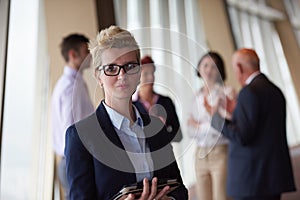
pixel 137 188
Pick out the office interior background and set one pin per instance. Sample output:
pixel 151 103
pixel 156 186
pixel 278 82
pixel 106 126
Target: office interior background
pixel 176 33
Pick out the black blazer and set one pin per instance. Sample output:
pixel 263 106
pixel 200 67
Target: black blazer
pixel 168 112
pixel 97 164
pixel 259 161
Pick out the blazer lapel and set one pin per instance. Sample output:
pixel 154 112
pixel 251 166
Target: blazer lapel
pixel 159 147
pixel 149 130
pixel 107 126
pixel 103 142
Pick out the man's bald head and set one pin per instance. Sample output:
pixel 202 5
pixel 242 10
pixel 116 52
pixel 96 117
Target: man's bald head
pixel 248 58
pixel 245 62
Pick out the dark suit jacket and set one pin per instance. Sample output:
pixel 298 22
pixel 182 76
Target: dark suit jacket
pixel 97 164
pixel 168 112
pixel 259 161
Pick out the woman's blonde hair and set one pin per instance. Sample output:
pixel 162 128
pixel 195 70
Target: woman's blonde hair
pixel 112 37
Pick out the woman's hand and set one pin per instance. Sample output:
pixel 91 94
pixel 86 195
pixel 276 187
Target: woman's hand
pixel 193 123
pixel 211 109
pixel 230 105
pixel 151 193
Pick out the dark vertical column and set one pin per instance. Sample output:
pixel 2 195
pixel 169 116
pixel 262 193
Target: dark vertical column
pixel 4 26
pixel 218 33
pixel 105 13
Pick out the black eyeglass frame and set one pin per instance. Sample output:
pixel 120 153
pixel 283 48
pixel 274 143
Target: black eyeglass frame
pixel 120 67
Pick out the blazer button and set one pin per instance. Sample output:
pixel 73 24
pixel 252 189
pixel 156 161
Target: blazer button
pixel 169 129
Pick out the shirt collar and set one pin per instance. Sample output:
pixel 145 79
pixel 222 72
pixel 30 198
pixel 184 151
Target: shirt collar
pixel 251 77
pixel 117 119
pixel 70 70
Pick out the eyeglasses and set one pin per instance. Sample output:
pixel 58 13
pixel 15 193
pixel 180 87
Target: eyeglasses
pixel 114 69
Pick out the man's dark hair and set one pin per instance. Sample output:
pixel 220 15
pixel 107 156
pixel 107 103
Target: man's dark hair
pixel 72 42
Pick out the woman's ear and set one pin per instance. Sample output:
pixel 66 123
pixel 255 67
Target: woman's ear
pixel 98 78
pixel 100 83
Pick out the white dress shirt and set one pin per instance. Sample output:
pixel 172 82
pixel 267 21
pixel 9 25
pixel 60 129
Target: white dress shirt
pixel 206 135
pixel 134 142
pixel 251 77
pixel 70 103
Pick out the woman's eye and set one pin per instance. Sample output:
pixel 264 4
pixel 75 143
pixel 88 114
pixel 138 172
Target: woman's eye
pixel 111 68
pixel 130 66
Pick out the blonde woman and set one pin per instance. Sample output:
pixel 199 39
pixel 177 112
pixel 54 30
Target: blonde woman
pixel 117 145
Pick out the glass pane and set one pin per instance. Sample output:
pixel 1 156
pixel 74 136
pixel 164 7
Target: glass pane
pixel 23 158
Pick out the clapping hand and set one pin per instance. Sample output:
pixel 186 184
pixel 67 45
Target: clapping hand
pixel 210 109
pixel 226 103
pixel 230 105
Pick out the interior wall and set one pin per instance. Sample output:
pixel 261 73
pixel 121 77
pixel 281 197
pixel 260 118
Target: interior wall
pixel 63 18
pixel 218 33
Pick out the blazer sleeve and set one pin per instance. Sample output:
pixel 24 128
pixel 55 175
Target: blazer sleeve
pixel 243 127
pixel 164 160
pixel 172 121
pixel 181 192
pixel 171 171
pixel 79 164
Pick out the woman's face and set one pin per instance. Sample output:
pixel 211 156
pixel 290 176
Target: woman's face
pixel 208 70
pixel 123 85
pixel 147 75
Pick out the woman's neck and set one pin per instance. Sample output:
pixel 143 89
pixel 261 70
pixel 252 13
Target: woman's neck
pixel 124 107
pixel 208 87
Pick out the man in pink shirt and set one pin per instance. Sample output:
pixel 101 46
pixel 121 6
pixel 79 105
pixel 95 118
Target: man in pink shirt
pixel 70 100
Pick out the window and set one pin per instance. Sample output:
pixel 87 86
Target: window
pixel 24 164
pixel 293 11
pixel 252 24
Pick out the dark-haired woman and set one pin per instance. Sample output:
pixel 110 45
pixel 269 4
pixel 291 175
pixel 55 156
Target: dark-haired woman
pixel 211 153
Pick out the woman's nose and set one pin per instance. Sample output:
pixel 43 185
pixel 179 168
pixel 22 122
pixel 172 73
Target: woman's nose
pixel 122 73
pixel 209 69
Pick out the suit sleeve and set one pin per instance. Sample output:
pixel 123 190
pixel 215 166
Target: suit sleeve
pixel 243 127
pixel 79 163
